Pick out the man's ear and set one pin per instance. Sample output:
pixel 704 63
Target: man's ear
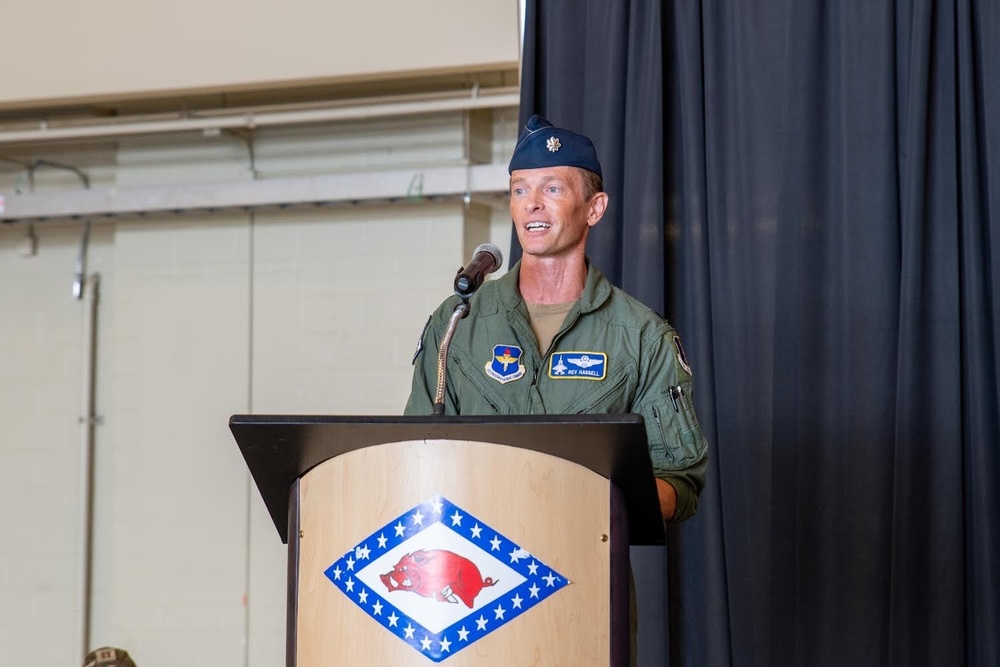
pixel 596 207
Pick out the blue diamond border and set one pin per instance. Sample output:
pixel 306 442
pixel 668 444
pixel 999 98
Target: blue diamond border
pixel 541 580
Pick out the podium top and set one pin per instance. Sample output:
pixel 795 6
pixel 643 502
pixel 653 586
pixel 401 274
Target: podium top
pixel 278 449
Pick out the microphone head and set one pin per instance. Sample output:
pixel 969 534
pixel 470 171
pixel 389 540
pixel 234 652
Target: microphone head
pixel 493 250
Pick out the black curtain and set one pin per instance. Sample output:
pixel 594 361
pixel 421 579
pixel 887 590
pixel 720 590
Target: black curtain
pixel 810 192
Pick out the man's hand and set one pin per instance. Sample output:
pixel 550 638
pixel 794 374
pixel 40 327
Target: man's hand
pixel 668 499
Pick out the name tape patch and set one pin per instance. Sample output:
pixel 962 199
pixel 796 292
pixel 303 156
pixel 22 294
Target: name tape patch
pixel 578 365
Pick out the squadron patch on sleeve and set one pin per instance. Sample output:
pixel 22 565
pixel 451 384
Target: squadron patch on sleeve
pixel 505 363
pixel 682 357
pixel 420 341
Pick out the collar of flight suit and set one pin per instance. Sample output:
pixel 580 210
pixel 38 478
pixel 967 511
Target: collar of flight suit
pixel 596 290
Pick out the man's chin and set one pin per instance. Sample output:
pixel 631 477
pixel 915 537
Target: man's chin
pixel 535 251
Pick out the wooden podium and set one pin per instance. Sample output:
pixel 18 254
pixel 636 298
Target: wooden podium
pixel 463 540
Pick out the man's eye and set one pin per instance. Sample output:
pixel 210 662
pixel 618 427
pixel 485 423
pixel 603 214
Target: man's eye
pixel 553 189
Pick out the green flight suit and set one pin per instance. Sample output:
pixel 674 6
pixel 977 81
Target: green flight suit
pixel 613 355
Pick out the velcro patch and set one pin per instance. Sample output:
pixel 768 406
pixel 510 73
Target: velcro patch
pixel 682 357
pixel 420 341
pixel 505 364
pixel 576 365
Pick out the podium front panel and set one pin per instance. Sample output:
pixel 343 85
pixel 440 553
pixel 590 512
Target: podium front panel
pixel 558 511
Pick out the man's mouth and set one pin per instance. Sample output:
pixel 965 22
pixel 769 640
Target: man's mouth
pixel 536 226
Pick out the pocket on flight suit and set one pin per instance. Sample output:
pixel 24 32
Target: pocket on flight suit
pixel 673 419
pixel 608 397
pixel 484 398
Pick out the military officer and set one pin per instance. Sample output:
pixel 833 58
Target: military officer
pixel 553 336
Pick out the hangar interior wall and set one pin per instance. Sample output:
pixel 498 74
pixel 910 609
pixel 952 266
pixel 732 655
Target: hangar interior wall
pixel 306 308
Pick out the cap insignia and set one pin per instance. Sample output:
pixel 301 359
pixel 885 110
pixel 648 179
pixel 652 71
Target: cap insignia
pixel 553 144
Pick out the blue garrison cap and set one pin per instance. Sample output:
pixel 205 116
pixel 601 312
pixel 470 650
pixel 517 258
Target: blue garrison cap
pixel 541 144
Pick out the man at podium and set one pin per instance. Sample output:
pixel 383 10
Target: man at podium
pixel 553 336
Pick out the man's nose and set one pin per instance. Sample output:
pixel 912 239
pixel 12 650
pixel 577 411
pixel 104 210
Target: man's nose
pixel 532 202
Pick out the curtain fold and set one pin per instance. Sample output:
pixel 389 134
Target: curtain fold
pixel 810 192
pixel 611 90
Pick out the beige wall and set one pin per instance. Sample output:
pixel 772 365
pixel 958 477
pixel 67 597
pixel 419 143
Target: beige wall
pixel 107 48
pixel 40 404
pixel 303 312
pixel 202 315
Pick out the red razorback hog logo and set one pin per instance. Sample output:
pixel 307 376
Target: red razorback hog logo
pixel 437 574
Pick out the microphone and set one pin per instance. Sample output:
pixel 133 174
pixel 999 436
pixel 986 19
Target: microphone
pixel 485 260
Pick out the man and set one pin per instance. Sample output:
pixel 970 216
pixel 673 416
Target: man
pixel 553 336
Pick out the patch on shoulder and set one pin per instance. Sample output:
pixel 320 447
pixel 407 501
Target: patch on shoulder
pixel 420 341
pixel 578 365
pixel 682 357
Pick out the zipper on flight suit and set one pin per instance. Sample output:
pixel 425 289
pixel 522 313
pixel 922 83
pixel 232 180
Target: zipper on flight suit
pixel 545 355
pixel 555 339
pixel 604 394
pixel 492 404
pixel 485 396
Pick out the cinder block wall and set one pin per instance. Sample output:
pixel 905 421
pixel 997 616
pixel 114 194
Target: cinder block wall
pixel 200 316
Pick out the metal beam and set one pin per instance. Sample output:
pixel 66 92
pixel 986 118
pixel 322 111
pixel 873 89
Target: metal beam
pixel 488 180
pixel 265 117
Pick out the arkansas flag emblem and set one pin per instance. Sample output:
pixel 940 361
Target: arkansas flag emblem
pixel 440 579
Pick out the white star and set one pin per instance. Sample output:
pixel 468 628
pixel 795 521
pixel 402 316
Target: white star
pixel 363 596
pixel 476 530
pixel 550 580
pixel 534 591
pixel 362 552
pixel 418 518
pixel 409 631
pixel 445 645
pixel 499 611
pixel 515 556
pixel 350 563
pixel 377 607
pixel 533 568
pixel 437 505
pixel 350 585
pixel 399 529
pixel 381 541
pixel 516 601
pixel 463 634
pixel 480 623
pixel 456 519
pixel 393 620
pixel 495 544
pixel 425 643
pixel 337 572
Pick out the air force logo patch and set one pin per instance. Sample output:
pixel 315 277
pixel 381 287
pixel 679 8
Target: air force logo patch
pixel 505 364
pixel 578 366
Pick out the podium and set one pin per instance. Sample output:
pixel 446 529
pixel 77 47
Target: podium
pixel 462 540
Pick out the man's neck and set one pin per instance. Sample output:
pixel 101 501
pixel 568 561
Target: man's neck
pixel 550 280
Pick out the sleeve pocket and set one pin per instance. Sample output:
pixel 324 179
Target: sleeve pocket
pixel 675 439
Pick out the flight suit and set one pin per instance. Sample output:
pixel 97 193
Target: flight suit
pixel 613 355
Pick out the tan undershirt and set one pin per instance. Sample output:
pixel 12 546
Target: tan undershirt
pixel 546 319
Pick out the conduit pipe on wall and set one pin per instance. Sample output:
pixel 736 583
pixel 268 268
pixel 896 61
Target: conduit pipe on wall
pixel 252 119
pixel 88 419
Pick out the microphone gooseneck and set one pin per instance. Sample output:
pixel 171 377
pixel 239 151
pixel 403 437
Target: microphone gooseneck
pixel 486 259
